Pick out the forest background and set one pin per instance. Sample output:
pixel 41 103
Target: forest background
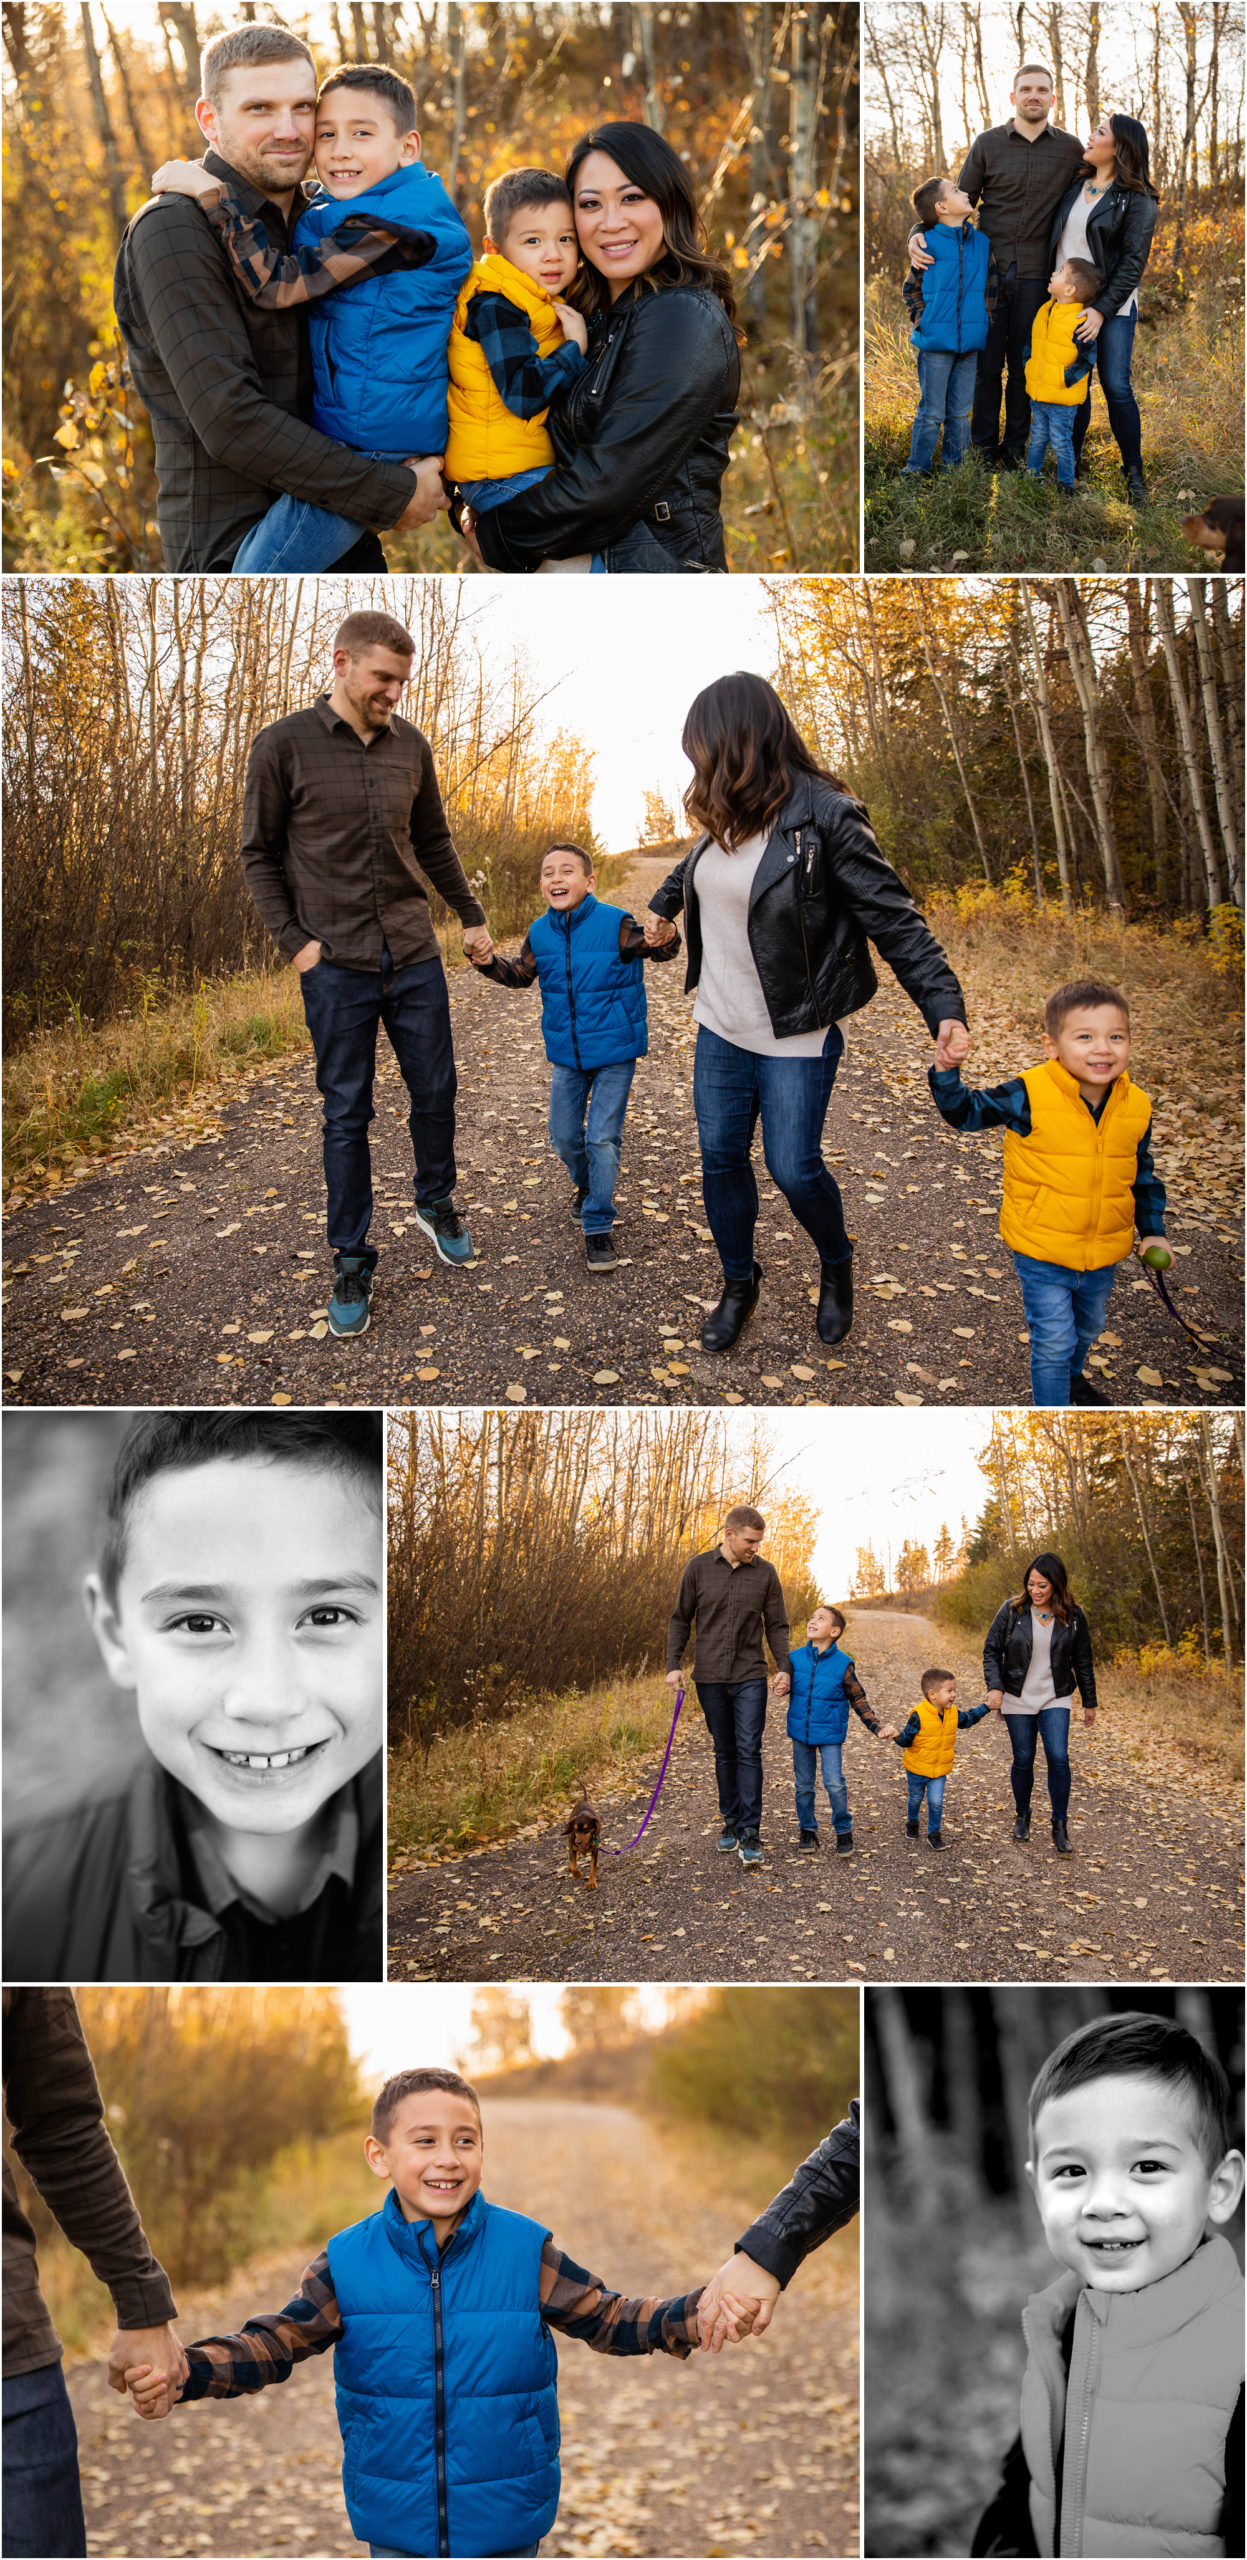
pixel 759 99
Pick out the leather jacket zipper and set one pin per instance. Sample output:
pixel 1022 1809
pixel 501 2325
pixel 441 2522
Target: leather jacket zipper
pixel 439 2416
pixel 806 861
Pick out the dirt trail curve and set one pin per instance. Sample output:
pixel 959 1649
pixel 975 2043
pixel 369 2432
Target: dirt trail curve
pixel 753 2451
pixel 195 1272
pixel 1151 1893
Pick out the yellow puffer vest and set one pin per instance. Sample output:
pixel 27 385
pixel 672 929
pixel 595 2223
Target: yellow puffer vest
pixel 487 441
pixel 1069 1187
pixel 930 1754
pixel 1053 346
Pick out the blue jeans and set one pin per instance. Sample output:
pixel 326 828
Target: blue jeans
pixel 1052 424
pixel 587 1107
pixel 296 536
pixel 481 495
pixel 1113 350
pixel 735 1711
pixel 946 398
pixel 933 1790
pixel 1051 1727
pixel 344 1008
pixel 1064 1311
pixel 43 2518
pixel 805 1760
pixel 732 1090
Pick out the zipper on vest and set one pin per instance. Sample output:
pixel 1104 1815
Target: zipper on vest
pixel 571 998
pixel 1074 2476
pixel 439 2416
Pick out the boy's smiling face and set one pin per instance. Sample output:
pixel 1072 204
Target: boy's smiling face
pixel 942 1696
pixel 248 1624
pixel 358 142
pixel 433 2156
pixel 822 1629
pixel 541 241
pixel 1062 287
pixel 1093 1046
pixel 564 879
pixel 1123 2188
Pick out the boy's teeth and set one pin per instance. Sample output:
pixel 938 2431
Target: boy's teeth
pixel 264 1759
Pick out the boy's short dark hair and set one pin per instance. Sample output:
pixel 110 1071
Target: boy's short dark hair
pixel 1139 2044
pixel 1087 279
pixel 934 1680
pixel 520 191
pixel 1082 995
pixel 564 845
pixel 926 199
pixel 398 93
pixel 157 1443
pixel 743 1516
pixel 246 49
pixel 408 2084
pixel 365 630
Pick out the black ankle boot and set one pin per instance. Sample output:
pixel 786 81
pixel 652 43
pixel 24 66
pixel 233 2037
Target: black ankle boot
pixel 835 1300
pixel 1060 1840
pixel 732 1313
pixel 1022 1827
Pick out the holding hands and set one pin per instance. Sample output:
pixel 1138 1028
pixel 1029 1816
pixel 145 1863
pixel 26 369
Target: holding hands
pixel 658 930
pixel 150 2364
pixel 477 944
pixel 952 1044
pixel 737 2303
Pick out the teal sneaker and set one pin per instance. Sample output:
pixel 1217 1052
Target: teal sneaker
pixel 443 1223
pixel 726 1841
pixel 749 1849
pixel 349 1307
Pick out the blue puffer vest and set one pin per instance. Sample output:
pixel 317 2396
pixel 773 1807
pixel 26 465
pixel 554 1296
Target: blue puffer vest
pixel 954 300
pixel 379 348
pixel 592 1002
pixel 446 2382
pixel 818 1710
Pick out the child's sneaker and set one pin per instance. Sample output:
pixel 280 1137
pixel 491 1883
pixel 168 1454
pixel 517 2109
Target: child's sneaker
pixel 911 1830
pixel 600 1251
pixel 727 1841
pixel 935 1839
pixel 807 1843
pixel 1084 1391
pixel 579 1197
pixel 844 1844
pixel 349 1310
pixel 443 1223
pixel 749 1849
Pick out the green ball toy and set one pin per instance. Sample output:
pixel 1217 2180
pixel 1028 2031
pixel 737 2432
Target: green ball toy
pixel 1158 1257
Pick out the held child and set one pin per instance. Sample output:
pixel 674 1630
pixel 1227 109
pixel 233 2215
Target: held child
pixel 439 2309
pixel 928 1741
pixel 239 1596
pixel 1078 1176
pixel 950 304
pixel 1058 367
pixel 824 1687
pixel 1131 2439
pixel 587 959
pixel 378 351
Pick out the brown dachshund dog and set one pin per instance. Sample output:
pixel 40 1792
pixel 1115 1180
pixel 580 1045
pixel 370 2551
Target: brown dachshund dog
pixel 583 1832
pixel 1219 530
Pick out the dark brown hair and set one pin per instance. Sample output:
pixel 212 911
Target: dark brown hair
pixel 743 1516
pixel 247 48
pixel 1133 163
pixel 1053 1571
pixel 408 2084
pixel 563 844
pixel 520 191
pixel 1081 995
pixel 1087 279
pixel 926 199
pixel 934 1680
pixel 746 757
pixel 648 162
pixel 362 631
pixel 398 93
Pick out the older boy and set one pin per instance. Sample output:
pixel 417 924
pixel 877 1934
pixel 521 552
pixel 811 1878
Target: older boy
pixel 239 1597
pixel 1078 1176
pixel 824 1687
pixel 1058 368
pixel 950 304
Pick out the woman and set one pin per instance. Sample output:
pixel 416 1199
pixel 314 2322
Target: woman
pixel 1108 215
pixel 1038 1651
pixel 644 433
pixel 779 895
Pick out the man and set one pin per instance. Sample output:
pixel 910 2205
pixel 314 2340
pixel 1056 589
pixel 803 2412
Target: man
pixel 1016 175
pixel 820 2197
pixel 341 804
pixel 735 1597
pixel 229 386
pixel 53 2104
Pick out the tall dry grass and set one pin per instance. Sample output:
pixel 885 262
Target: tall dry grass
pixel 487 1780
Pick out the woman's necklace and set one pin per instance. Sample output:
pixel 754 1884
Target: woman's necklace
pixel 1043 1616
pixel 1092 189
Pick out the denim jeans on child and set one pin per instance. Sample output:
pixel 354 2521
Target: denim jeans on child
pixel 481 495
pixel 735 1711
pixel 296 537
pixel 344 1008
pixel 805 1760
pixel 933 1790
pixel 1051 1727
pixel 587 1107
pixel 42 2494
pixel 732 1089
pixel 1113 350
pixel 1065 1312
pixel 1052 424
pixel 946 399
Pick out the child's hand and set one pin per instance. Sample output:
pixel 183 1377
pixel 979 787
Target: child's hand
pixel 888 1732
pixel 737 2303
pixel 184 178
pixel 1154 1251
pixel 477 944
pixel 574 329
pixel 658 929
pixel 149 2390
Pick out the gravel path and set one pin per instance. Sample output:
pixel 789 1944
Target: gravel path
pixel 1151 1893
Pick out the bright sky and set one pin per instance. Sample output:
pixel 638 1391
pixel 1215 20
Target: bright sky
pixel 881 1476
pixel 395 2025
pixel 1124 50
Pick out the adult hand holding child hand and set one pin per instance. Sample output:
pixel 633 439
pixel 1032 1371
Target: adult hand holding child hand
pixel 737 2303
pixel 952 1044
pixel 478 945
pixel 658 929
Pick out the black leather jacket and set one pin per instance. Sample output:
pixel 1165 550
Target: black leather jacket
pixel 1007 1653
pixel 642 438
pixel 1119 237
pixel 821 887
pixel 821 2196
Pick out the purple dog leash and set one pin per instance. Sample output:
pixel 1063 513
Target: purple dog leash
pixel 631 1844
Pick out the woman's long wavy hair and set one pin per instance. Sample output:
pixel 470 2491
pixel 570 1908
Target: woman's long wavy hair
pixel 1053 1571
pixel 746 758
pixel 650 164
pixel 1133 159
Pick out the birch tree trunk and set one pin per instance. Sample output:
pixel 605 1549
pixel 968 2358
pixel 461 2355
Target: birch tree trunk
pixel 112 157
pixel 1222 781
pixel 1073 612
pixel 942 698
pixel 1138 599
pixel 802 178
pixel 1040 706
pixel 1213 882
pixel 1126 1441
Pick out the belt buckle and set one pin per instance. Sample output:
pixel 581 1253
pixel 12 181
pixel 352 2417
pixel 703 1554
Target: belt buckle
pixel 662 512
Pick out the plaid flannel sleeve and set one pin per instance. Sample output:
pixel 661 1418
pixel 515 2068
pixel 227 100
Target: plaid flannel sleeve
pixel 1149 1190
pixel 909 1732
pixel 969 1109
pixel 512 973
pixel 524 381
pixel 633 945
pixel 857 1699
pixel 268 2348
pixel 277 282
pixel 581 2306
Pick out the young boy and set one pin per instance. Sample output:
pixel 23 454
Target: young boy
pixel 1078 1176
pixel 928 1741
pixel 1058 365
pixel 950 304
pixel 1131 2439
pixel 439 2310
pixel 239 1596
pixel 824 1687
pixel 378 351
pixel 587 958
